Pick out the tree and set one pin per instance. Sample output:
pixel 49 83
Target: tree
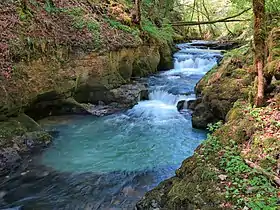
pixel 136 15
pixel 259 41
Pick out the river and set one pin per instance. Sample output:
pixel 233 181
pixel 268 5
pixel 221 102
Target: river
pixel 110 162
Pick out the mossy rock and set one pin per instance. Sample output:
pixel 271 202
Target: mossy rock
pixel 193 187
pixel 11 128
pixel 220 88
pixel 166 59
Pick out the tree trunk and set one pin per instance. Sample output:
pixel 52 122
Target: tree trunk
pixel 198 19
pixel 259 40
pixel 137 12
pixel 194 3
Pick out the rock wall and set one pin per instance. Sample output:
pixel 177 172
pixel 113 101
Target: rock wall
pixel 222 86
pixel 87 77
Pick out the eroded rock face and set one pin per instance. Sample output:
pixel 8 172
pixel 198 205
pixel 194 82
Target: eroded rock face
pixel 86 77
pixel 218 91
pixel 119 99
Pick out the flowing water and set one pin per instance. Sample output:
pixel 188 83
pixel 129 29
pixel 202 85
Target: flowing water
pixel 110 162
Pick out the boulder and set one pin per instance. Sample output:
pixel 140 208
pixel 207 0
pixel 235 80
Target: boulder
pixel 191 104
pixel 180 105
pixel 202 116
pixel 130 94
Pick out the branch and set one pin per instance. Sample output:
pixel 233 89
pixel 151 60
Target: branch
pixel 194 23
pixel 227 19
pixel 272 176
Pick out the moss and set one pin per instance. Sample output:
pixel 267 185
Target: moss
pixel 11 128
pixel 268 163
pixel 236 113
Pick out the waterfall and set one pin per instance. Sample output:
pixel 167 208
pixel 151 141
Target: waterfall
pixel 163 99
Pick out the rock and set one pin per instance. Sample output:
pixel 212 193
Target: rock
pixel 191 104
pixel 166 59
pixel 36 140
pixel 222 177
pixel 130 94
pixel 182 105
pixel 202 116
pixel 102 110
pixel 88 77
pixel 42 109
pixel 17 139
pixel 9 159
pixel 219 89
pixel 2 194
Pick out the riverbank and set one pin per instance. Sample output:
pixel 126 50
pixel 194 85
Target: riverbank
pixel 71 58
pixel 237 167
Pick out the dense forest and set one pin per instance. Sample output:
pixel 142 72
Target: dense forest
pixel 102 100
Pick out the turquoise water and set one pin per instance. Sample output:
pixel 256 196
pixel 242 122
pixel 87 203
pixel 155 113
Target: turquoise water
pixel 151 134
pixel 124 142
pixel 110 162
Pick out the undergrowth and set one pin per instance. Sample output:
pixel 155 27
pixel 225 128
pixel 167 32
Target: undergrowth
pixel 245 188
pixel 118 25
pixel 165 32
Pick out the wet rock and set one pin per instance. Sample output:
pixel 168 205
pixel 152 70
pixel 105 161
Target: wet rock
pixel 191 104
pixel 130 94
pixel 36 140
pixel 202 116
pixel 9 159
pixel 103 110
pixel 183 104
pixel 166 59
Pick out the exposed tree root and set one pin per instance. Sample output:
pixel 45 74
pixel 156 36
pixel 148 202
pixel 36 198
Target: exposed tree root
pixel 259 169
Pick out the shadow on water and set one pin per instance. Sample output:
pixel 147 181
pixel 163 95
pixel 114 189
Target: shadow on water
pixel 43 188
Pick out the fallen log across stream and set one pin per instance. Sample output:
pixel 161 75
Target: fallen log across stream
pixel 223 20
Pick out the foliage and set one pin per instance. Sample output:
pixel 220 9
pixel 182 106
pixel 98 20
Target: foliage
pixel 207 10
pixel 246 187
pixel 273 6
pixel 215 126
pixel 118 25
pixel 50 7
pixel 163 33
pixel 81 21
